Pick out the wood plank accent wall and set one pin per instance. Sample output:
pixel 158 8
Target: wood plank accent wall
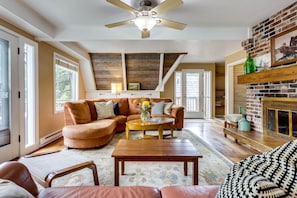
pixel 107 68
pixel 169 60
pixel 141 68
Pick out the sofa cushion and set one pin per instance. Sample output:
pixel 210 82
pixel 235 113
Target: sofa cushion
pixel 94 129
pixel 157 108
pixel 208 191
pixel 102 191
pixel 167 108
pixel 123 105
pixel 104 110
pixel 80 112
pixel 12 190
pixel 133 108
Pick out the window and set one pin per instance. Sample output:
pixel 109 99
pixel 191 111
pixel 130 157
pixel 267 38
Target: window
pixel 66 81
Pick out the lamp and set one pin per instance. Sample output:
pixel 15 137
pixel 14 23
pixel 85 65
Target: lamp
pixel 116 88
pixel 145 22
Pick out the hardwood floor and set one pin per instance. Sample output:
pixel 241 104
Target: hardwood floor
pixel 209 130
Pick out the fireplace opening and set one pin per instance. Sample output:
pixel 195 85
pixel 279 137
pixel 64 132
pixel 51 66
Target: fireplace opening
pixel 279 117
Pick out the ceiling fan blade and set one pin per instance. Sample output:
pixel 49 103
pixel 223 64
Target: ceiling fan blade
pixel 145 34
pixel 166 6
pixel 171 24
pixel 123 5
pixel 111 25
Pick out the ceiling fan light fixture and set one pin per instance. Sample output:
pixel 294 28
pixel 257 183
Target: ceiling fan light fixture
pixel 145 23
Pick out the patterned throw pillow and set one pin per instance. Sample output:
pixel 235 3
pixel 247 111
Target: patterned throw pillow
pixel 271 174
pixel 104 110
pixel 244 183
pixel 167 108
pixel 157 108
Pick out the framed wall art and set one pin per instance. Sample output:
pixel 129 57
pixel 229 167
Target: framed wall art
pixel 284 47
pixel 133 86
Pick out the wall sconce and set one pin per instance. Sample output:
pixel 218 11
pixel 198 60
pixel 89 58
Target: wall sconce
pixel 116 88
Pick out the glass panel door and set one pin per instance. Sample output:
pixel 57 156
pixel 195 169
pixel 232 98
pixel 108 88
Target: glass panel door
pixel 189 88
pixel 9 134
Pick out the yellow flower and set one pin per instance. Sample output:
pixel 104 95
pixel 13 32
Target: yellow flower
pixel 146 104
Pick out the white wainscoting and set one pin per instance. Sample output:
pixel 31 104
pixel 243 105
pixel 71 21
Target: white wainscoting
pixel 124 94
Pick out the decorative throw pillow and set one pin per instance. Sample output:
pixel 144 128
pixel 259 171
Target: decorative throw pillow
pixel 270 174
pixel 167 108
pixel 80 112
pixel 245 183
pixel 104 109
pixel 116 108
pixel 10 189
pixel 157 108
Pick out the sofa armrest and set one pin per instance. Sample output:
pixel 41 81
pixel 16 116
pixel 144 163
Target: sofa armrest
pixel 19 174
pixel 177 112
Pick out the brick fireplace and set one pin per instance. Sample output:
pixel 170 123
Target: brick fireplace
pixel 259 45
pixel 256 92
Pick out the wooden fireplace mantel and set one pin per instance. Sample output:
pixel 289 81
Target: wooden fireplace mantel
pixel 272 75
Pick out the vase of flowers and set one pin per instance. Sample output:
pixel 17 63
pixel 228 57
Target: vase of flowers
pixel 144 107
pixel 145 116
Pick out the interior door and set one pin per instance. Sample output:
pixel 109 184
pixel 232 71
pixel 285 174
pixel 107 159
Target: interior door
pixel 9 133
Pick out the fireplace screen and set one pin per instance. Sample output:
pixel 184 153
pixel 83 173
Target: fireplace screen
pixel 280 117
pixel 271 120
pixel 282 121
pixel 294 121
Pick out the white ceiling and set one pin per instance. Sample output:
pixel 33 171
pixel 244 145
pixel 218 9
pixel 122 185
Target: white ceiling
pixel 215 28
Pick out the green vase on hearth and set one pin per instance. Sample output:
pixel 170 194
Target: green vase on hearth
pixel 249 65
pixel 244 124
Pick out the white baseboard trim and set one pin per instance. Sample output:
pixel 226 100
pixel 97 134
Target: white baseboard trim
pixel 50 138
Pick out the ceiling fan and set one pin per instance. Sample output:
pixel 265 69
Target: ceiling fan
pixel 146 16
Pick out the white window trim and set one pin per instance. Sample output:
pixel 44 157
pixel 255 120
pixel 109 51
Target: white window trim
pixel 74 66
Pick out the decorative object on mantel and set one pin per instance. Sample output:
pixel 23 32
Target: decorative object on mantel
pixel 249 65
pixel 284 47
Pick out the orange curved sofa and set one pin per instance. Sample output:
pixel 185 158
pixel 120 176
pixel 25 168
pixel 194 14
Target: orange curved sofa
pixel 83 130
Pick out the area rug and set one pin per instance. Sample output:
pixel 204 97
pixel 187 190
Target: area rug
pixel 213 167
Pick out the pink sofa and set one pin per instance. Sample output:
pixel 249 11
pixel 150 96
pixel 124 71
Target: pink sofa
pixel 83 129
pixel 19 174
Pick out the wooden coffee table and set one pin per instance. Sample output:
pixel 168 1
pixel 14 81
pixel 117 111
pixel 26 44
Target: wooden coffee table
pixel 155 124
pixel 172 150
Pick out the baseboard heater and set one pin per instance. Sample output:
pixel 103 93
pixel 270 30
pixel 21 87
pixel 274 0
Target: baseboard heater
pixel 50 138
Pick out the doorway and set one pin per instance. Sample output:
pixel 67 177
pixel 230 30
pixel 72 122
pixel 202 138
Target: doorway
pixel 18 96
pixel 189 92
